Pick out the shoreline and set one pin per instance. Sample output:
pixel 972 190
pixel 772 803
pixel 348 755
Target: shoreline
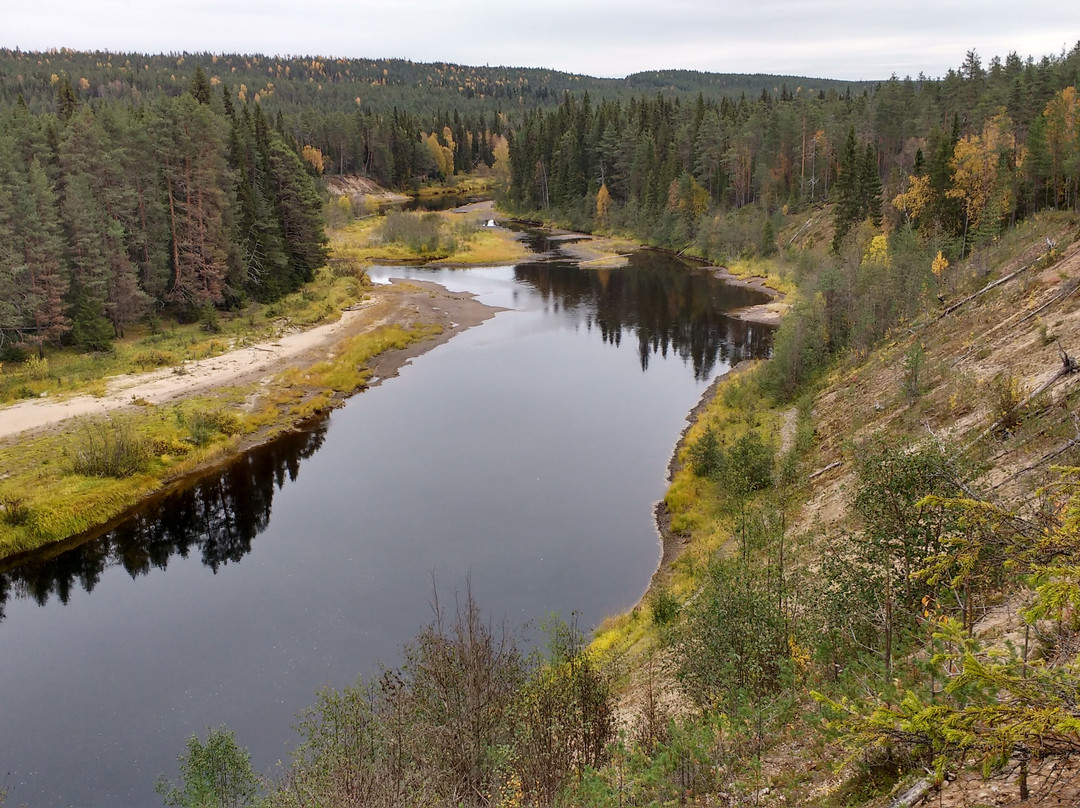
pixel 417 303
pixel 671 543
pixel 403 303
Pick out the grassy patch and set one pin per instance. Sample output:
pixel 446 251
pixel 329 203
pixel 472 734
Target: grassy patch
pixel 163 344
pixel 458 185
pixel 601 253
pixel 774 275
pixel 454 238
pixel 70 481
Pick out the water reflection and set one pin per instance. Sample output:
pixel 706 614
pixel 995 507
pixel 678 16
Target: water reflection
pixel 678 312
pixel 218 517
pixel 668 305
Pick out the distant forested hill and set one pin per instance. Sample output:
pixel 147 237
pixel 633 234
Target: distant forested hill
pixel 296 84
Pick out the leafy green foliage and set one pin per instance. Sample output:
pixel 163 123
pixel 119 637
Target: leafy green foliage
pixel 214 774
pixel 741 470
pixel 665 607
pixel 914 369
pixel 732 641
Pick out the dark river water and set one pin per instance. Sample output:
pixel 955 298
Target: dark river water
pixel 524 455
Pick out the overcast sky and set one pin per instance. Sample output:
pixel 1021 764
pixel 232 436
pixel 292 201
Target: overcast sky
pixel 846 39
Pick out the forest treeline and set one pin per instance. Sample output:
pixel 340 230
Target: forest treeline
pixel 903 181
pixel 110 214
pixel 363 115
pixel 187 181
pixel 317 85
pixel 993 143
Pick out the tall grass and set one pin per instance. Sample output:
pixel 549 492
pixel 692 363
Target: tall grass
pixel 111 448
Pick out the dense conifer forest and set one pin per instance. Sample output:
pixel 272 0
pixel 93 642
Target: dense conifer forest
pixel 110 213
pixel 912 175
pixel 133 184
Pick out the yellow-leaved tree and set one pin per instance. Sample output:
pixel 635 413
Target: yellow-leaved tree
pixel 442 156
pixel 313 157
pixel 603 204
pixel 1062 115
pixel 500 150
pixel 985 195
pixel 916 199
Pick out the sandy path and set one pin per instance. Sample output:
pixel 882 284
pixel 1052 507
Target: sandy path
pixel 402 303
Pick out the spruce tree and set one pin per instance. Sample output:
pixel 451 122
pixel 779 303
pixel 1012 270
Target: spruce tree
pixel 848 207
pixel 200 87
pixel 870 187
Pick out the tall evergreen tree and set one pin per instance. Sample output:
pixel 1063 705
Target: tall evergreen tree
pixel 848 207
pixel 191 145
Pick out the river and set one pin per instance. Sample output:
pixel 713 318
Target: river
pixel 524 456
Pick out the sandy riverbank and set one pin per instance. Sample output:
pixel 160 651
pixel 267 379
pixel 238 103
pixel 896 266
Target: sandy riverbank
pixel 405 304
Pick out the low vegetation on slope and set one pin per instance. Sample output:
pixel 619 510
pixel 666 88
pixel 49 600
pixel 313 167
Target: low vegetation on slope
pixel 879 579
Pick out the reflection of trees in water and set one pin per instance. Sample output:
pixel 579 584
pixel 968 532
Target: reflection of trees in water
pixel 218 518
pixel 669 306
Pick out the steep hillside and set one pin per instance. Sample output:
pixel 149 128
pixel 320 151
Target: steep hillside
pixel 972 401
pixel 992 383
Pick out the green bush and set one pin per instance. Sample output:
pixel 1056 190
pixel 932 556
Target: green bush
pixel 732 642
pixel 665 607
pixel 217 773
pixel 741 470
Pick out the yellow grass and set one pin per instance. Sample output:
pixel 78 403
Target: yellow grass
pixel 476 245
pixel 762 268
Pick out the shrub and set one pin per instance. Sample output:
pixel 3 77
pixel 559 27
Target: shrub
pixel 217 773
pixel 705 455
pixel 14 510
pixel 665 607
pixel 1006 394
pixel 154 358
pixel 36 368
pixel 732 643
pixel 741 470
pixel 914 361
pixel 110 448
pixel 419 232
pixel 203 425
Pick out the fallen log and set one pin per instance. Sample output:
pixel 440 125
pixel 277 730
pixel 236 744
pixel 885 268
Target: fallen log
pixel 1068 367
pixel 988 288
pixel 830 467
pixel 914 795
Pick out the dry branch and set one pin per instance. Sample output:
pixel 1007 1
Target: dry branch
pixel 988 287
pixel 830 467
pixel 1068 367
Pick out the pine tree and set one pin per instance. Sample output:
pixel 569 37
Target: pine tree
pixel 191 146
